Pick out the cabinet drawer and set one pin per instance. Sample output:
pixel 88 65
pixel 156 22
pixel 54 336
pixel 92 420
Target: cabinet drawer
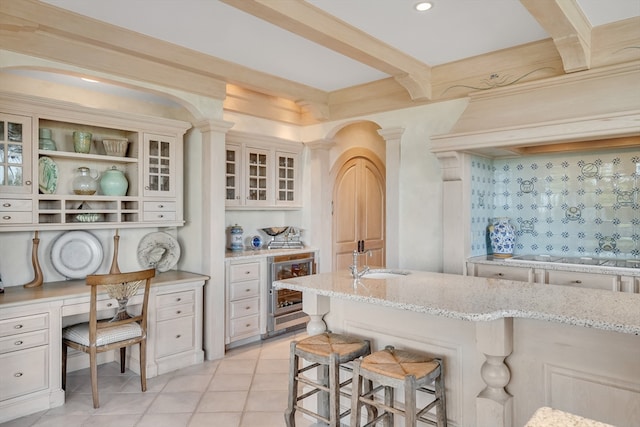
pixel 23 341
pixel 24 372
pixel 170 300
pixel 14 217
pixel 18 325
pixel 582 280
pixel 500 272
pixel 244 307
pixel 69 309
pixel 174 336
pixel 243 290
pixel 240 272
pixel 12 205
pixel 244 326
pixel 160 206
pixel 179 310
pixel 159 216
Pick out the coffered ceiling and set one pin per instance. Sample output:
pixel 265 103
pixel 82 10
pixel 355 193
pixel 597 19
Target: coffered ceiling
pixel 317 53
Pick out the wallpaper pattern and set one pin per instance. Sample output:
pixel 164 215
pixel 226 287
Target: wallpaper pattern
pixel 569 204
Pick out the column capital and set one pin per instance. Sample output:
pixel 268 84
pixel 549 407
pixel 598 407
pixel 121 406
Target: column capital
pixel 320 144
pixel 213 125
pixel 391 133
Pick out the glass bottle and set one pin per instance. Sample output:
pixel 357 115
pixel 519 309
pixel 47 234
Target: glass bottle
pixel 85 184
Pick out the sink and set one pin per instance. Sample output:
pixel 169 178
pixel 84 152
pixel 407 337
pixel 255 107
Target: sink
pixel 384 274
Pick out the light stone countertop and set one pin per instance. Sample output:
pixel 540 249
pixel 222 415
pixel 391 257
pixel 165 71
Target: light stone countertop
pixel 481 299
pixel 249 254
pixel 548 417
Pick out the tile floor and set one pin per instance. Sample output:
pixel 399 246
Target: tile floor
pixel 247 388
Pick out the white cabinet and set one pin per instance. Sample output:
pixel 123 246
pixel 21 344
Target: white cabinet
pixel 151 163
pixel 583 280
pixel 262 172
pixel 177 330
pixel 500 272
pixel 243 280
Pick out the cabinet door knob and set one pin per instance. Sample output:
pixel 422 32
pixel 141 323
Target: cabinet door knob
pixel 17 327
pixel 248 307
pixel 6 205
pixel 247 325
pixel 178 299
pixel 7 217
pixel 18 343
pixel 28 182
pixel 109 305
pixel 17 374
pixel 179 311
pixel 178 336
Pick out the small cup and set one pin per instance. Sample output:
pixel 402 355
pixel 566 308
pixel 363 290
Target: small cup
pixel 82 142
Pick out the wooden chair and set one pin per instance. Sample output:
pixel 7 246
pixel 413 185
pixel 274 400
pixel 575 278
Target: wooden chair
pixel 97 336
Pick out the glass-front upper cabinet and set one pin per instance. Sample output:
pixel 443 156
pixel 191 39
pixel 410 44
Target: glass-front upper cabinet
pixel 233 168
pixel 257 176
pixel 15 154
pixel 160 165
pixel 286 184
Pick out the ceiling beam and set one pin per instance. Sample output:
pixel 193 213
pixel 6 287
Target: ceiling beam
pixel 568 27
pixel 312 23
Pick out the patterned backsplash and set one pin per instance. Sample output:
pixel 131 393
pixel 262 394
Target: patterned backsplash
pixel 569 204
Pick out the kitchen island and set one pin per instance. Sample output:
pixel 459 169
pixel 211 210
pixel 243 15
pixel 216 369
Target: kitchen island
pixel 509 347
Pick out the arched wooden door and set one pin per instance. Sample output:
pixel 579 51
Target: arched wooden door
pixel 358 212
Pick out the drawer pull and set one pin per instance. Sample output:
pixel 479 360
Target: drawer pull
pixel 178 299
pixel 18 374
pixel 247 325
pixel 7 217
pixel 160 216
pixel 109 305
pixel 179 311
pixel 17 327
pixel 178 336
pixel 160 206
pixel 578 281
pixel 248 307
pixel 247 290
pixel 6 205
pixel 18 343
pixel 500 274
pixel 247 272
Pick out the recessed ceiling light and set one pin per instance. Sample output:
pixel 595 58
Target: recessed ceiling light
pixel 423 6
pixel 89 80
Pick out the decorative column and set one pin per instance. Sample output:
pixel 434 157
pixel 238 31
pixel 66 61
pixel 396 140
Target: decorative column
pixel 213 233
pixel 319 200
pixel 392 137
pixel 494 405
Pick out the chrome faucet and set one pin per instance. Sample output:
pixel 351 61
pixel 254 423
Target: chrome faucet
pixel 354 266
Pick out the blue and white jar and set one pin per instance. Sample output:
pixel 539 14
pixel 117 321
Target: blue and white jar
pixel 235 238
pixel 502 236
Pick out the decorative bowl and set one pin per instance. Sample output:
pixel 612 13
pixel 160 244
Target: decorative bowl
pixel 115 147
pixel 274 231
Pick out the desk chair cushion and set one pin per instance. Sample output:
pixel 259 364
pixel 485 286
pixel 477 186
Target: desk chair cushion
pixel 80 333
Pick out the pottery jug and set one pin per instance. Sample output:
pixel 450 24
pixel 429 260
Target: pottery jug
pixel 82 142
pixel 235 238
pixel 113 182
pixel 46 143
pixel 85 184
pixel 502 236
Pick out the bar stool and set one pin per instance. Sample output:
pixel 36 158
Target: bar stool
pixel 329 352
pixel 391 368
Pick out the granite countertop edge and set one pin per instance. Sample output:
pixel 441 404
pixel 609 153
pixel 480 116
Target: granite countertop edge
pixel 499 302
pixel 578 268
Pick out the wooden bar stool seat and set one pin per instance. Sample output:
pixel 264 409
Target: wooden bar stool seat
pixel 389 369
pixel 329 352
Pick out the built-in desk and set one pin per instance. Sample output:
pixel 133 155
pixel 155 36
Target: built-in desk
pixel 31 320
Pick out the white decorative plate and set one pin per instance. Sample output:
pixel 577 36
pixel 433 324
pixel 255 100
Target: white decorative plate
pixel 47 175
pixel 158 250
pixel 76 254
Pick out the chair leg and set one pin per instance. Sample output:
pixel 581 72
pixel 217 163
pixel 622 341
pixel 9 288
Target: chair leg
pixel 93 364
pixel 410 401
pixel 441 407
pixel 64 366
pixel 123 357
pixel 389 399
pixel 356 389
pixel 334 390
pixel 289 414
pixel 143 365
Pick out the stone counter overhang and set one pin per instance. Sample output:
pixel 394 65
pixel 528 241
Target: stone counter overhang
pixel 558 266
pixel 480 299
